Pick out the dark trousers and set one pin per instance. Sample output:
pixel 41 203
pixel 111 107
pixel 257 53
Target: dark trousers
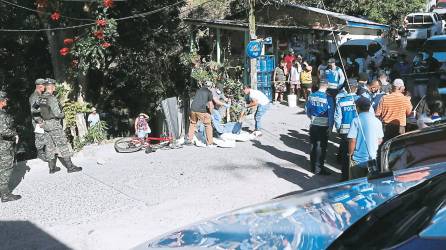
pixel 343 153
pixel 319 142
pixel 392 130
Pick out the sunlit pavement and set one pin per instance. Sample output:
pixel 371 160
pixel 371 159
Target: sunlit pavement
pixel 122 200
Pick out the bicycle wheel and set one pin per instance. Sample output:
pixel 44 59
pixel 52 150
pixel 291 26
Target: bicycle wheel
pixel 128 145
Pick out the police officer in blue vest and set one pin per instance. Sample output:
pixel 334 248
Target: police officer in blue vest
pixel 320 109
pixel 335 78
pixel 344 114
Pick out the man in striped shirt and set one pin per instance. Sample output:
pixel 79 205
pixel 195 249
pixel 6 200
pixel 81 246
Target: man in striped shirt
pixel 393 110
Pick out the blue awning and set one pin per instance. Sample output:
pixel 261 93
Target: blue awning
pixel 367 25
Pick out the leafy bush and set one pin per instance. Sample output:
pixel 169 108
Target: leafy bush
pixel 95 134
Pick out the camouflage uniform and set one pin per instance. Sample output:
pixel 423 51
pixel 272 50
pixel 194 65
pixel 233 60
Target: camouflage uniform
pixel 6 150
pixel 41 140
pixel 58 143
pixel 7 140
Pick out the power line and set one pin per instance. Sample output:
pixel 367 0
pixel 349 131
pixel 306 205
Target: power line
pixel 44 12
pixel 141 15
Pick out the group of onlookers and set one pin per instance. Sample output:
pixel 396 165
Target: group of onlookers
pixel 365 112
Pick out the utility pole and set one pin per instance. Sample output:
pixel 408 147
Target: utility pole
pixel 252 36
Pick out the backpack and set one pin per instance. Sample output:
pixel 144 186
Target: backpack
pixel 45 109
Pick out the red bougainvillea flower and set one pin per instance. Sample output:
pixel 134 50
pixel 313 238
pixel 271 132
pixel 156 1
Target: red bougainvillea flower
pixel 101 22
pixel 108 3
pixel 55 16
pixel 68 41
pixel 64 51
pixel 105 45
pixel 99 34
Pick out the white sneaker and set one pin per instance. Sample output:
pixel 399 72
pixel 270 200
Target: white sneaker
pixel 211 146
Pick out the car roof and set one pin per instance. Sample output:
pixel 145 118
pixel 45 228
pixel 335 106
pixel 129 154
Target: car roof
pixel 300 216
pixel 437 38
pixel 364 42
pixel 420 13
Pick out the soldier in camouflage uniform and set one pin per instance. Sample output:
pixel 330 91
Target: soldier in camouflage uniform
pixel 8 136
pixel 41 138
pixel 58 146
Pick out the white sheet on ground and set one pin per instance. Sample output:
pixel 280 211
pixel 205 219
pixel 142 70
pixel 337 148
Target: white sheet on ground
pixel 243 136
pixel 224 143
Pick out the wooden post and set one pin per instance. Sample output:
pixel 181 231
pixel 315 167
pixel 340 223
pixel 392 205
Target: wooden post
pixel 218 45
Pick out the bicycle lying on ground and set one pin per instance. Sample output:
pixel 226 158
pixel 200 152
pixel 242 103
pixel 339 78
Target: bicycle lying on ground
pixel 150 144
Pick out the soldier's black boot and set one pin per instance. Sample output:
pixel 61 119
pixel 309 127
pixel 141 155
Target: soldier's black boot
pixel 10 197
pixel 52 166
pixel 69 165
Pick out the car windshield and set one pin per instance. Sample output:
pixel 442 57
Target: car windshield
pixel 419 21
pixel 417 150
pixel 435 45
pixel 397 220
pixel 441 5
pixel 353 50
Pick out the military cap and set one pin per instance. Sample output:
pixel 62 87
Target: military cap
pixel 50 81
pixel 3 95
pixel 40 81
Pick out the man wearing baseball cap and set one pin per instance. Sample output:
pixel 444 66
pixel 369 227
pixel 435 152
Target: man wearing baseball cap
pixel 365 136
pixel 58 146
pixel 8 136
pixel 37 121
pixel 393 110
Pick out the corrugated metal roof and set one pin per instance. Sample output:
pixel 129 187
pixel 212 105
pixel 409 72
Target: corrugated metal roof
pixel 332 14
pixel 244 25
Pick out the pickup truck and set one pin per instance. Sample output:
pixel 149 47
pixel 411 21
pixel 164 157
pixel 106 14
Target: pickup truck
pixel 422 26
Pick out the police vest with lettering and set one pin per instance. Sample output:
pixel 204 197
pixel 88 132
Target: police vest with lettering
pixel 348 109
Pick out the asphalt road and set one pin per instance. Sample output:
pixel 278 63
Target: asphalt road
pixel 122 200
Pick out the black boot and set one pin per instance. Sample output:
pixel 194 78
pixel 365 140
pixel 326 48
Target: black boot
pixel 52 166
pixel 69 165
pixel 10 197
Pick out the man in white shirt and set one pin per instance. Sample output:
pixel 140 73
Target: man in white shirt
pixel 260 100
pixel 93 118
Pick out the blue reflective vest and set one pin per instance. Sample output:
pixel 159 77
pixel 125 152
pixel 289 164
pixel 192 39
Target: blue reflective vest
pixel 345 111
pixel 335 78
pixel 320 109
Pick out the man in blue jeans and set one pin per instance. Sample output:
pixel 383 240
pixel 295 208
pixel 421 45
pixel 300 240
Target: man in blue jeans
pixel 261 101
pixel 365 136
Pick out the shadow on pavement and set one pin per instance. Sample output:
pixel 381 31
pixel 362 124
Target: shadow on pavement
pixel 25 235
pixel 299 160
pixel 18 174
pixel 301 141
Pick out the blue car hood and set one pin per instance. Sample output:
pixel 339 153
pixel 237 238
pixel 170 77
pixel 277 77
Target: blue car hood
pixel 310 220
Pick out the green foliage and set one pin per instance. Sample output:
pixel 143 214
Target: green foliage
pixel 71 109
pixel 95 134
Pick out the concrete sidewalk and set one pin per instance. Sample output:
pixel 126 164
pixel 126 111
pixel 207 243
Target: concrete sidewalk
pixel 123 200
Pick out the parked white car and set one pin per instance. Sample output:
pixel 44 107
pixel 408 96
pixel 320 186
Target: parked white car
pixel 422 26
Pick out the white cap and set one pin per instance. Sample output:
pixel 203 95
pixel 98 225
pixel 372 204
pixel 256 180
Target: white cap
pixel 398 82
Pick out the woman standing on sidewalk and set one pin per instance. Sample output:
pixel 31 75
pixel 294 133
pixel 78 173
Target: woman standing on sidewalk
pixel 279 78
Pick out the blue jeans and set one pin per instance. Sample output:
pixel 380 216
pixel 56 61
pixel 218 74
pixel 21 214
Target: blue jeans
pixel 261 110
